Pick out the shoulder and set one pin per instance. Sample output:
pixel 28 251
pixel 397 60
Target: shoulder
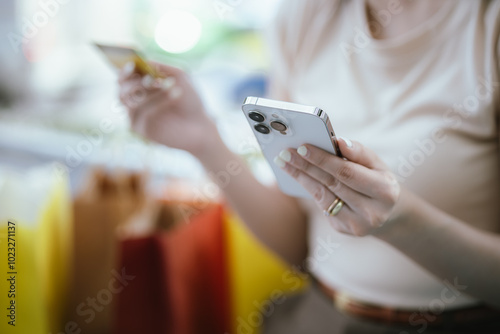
pixel 298 23
pixel 296 17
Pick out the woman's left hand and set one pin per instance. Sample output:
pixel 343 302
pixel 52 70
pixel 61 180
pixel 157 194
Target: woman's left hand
pixel 367 187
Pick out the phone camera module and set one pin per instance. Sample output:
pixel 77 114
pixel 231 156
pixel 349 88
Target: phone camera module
pixel 262 129
pixel 256 116
pixel 279 126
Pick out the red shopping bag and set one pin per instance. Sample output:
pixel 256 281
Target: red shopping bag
pixel 180 280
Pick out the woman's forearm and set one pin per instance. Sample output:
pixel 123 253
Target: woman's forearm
pixel 174 115
pixel 276 219
pixel 447 247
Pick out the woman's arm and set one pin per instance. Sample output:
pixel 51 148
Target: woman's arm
pixel 447 247
pixel 375 204
pixel 170 112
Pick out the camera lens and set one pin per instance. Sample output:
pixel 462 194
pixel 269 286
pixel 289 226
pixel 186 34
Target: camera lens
pixel 262 128
pixel 278 126
pixel 256 116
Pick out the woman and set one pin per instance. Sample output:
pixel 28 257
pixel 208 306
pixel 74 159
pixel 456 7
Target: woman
pixel 414 210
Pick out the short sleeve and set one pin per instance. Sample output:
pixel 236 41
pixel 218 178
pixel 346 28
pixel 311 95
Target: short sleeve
pixel 493 24
pixel 295 34
pixel 275 41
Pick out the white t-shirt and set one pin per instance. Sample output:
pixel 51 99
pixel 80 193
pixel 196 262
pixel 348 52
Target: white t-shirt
pixel 426 102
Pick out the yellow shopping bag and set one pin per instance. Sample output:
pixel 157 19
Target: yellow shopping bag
pixel 259 280
pixel 35 250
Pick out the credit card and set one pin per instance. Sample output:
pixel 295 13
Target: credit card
pixel 120 55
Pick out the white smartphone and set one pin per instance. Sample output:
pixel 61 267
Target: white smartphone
pixel 279 125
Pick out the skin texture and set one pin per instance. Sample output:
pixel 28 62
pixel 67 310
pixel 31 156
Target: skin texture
pixel 171 113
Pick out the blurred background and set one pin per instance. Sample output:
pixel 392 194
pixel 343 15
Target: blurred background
pixel 56 88
pixel 59 103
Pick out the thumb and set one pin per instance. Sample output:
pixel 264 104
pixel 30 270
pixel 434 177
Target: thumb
pixel 166 70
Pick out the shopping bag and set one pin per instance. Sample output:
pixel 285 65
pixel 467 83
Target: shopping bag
pixel 209 275
pixel 181 282
pixel 258 279
pixel 35 248
pixel 111 205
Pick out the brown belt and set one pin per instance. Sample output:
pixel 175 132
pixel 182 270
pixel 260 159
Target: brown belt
pixel 394 316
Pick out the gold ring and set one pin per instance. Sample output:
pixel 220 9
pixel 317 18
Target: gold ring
pixel 334 208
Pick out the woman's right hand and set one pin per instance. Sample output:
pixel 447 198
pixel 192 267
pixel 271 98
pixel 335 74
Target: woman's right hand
pixel 168 111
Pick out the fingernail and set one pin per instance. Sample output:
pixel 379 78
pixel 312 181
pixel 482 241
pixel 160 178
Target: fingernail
pixel 279 162
pixel 157 83
pixel 168 83
pixel 147 81
pixel 129 68
pixel 348 142
pixel 302 150
pixel 285 156
pixel 175 93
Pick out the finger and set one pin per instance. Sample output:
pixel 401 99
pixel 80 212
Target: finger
pixel 159 102
pixel 364 210
pixel 353 175
pixel 349 195
pixel 340 226
pixel 141 119
pixel 137 82
pixel 149 82
pixel 151 102
pixel 323 199
pixel 356 217
pixel 164 83
pixel 356 152
pixel 130 79
pixel 363 206
pixel 137 85
pixel 158 99
pixel 134 94
pixel 165 71
pixel 127 71
pixel 131 89
pixel 320 193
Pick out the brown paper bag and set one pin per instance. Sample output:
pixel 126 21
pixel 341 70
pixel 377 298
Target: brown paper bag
pixel 110 204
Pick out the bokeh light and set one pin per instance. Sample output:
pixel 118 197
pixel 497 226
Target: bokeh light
pixel 178 31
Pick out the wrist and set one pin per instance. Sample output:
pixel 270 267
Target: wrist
pixel 211 147
pixel 400 222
